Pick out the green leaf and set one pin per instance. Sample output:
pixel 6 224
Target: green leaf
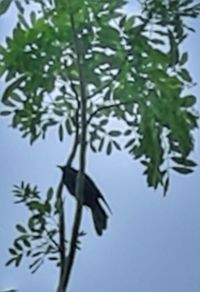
pixel 103 122
pixel 20 228
pixel 18 260
pixel 107 95
pixel 185 162
pixel 127 132
pixel 31 224
pixel 139 151
pixel 166 186
pixel 188 101
pixel 17 245
pixel 9 262
pixel 109 34
pixel 47 206
pixel 51 122
pixel 114 133
pixel 19 6
pixel 129 143
pixel 192 119
pixel 3 51
pixel 182 170
pixel 11 74
pixel 109 148
pixel 36 205
pixel 122 21
pixel 14 96
pixel 14 85
pixel 53 258
pixel 101 144
pixel 58 112
pixel 36 262
pixel 5 113
pixel 16 119
pixel 184 58
pixel 26 242
pixel 185 75
pixel 34 136
pixel 2 69
pixel 36 254
pixel 9 103
pixel 117 145
pixel 22 20
pixel 174 51
pixel 28 253
pixel 4 6
pixel 68 126
pixel 60 132
pixel 50 194
pixel 157 42
pixel 93 147
pixel 33 17
pixel 12 251
pixel 130 22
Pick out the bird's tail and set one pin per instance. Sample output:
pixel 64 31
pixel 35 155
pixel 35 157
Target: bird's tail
pixel 99 217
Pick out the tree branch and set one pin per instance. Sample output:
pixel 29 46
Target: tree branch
pixel 61 222
pixel 61 211
pixel 80 179
pixel 107 107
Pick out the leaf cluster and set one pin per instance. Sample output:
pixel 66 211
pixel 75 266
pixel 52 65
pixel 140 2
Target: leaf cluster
pixel 39 238
pixel 134 72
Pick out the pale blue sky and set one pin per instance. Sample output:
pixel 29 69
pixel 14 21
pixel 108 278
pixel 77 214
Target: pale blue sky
pixel 152 243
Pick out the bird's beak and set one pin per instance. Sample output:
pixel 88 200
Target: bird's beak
pixel 61 167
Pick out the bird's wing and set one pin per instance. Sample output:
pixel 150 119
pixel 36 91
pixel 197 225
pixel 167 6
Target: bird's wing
pixel 105 202
pixel 93 189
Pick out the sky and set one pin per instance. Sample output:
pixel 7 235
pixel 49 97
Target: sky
pixel 151 244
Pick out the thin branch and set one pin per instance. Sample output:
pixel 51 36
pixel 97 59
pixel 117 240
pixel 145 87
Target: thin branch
pixel 53 240
pixel 61 220
pixel 61 208
pixel 107 107
pixel 62 231
pixel 76 141
pixel 60 200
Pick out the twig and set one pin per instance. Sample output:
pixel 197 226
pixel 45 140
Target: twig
pixel 107 107
pixel 53 240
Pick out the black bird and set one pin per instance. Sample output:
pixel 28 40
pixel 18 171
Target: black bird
pixel 91 196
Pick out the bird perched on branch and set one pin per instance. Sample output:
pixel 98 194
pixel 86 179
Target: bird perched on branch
pixel 91 196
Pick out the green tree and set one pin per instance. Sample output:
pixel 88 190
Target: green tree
pixel 77 66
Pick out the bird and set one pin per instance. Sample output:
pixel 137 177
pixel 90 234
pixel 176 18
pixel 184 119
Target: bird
pixel 91 196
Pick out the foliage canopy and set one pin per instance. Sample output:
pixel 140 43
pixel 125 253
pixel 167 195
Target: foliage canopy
pixel 134 71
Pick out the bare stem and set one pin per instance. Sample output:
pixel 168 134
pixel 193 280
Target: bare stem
pixel 61 220
pixel 62 231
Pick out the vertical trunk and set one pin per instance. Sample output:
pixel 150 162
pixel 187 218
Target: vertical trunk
pixel 63 285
